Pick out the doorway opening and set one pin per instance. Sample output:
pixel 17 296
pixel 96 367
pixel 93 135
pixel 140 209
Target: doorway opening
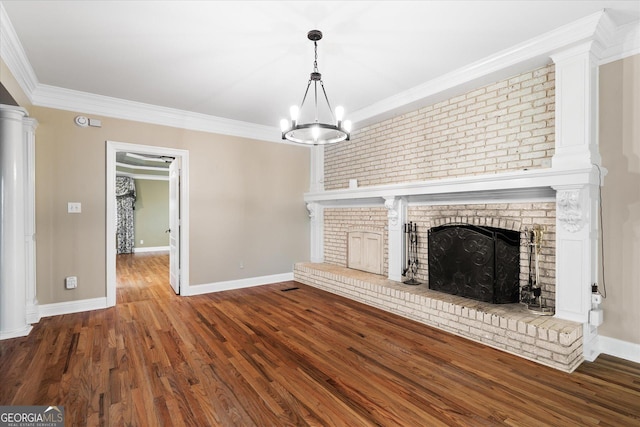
pixel 178 211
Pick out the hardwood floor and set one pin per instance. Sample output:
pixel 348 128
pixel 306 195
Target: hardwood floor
pixel 288 354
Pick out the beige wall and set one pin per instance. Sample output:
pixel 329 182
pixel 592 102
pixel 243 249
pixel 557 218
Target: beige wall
pixel 620 150
pixel 246 203
pixel 12 86
pixel 151 213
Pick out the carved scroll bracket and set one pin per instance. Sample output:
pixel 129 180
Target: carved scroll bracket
pixel 313 209
pixel 392 205
pixel 569 210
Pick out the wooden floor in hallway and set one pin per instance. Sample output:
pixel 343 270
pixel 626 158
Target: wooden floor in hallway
pixel 287 354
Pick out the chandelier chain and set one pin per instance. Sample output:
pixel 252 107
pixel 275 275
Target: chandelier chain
pixel 315 61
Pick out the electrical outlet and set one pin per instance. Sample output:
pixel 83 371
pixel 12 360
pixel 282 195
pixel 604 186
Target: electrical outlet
pixel 596 317
pixel 141 242
pixel 241 264
pixel 596 298
pixel 71 282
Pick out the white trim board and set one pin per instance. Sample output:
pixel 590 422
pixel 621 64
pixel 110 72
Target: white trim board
pixel 68 307
pixel 239 284
pixel 151 249
pixel 618 348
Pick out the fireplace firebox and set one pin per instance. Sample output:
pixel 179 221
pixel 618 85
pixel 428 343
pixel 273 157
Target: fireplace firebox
pixel 481 263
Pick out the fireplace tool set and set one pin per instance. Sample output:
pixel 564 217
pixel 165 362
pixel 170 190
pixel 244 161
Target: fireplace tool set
pixel 411 253
pixel 531 293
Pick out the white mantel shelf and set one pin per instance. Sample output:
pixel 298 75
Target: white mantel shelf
pixel 520 185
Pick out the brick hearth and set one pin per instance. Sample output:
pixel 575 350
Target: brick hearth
pixel 509 327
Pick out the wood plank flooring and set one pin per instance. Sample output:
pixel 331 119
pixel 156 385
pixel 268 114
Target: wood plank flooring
pixel 268 356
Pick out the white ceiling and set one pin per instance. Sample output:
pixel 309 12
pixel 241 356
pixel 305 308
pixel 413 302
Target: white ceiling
pixel 249 61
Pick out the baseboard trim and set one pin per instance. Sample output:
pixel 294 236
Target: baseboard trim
pixel 33 313
pixel 16 333
pixel 238 284
pixel 151 249
pixel 68 307
pixel 618 348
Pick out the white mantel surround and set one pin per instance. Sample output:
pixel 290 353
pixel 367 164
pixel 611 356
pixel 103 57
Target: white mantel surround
pixel 572 181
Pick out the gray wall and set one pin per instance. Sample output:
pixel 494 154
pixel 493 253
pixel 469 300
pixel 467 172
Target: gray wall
pixel 151 213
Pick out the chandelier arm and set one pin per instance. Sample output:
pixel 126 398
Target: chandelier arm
pixel 327 99
pixel 305 94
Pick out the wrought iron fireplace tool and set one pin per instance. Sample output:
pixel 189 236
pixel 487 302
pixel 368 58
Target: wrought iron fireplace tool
pixel 411 252
pixel 531 293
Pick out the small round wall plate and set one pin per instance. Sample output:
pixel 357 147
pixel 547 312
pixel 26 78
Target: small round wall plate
pixel 82 121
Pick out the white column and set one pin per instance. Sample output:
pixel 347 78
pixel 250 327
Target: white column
pixel 33 315
pixel 13 312
pixel 397 215
pixel 316 214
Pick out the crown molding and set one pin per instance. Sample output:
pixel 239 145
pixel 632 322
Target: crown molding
pixel 88 103
pixel 624 42
pixel 14 56
pixel 614 43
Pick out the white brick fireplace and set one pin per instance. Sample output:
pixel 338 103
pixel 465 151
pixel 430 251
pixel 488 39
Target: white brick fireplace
pixel 528 138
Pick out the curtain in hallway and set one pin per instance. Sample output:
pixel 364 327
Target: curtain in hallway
pixel 125 204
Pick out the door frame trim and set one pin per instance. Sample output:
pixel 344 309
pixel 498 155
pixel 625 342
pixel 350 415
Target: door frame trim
pixel 112 148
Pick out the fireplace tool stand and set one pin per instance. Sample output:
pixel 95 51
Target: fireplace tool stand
pixel 411 252
pixel 531 293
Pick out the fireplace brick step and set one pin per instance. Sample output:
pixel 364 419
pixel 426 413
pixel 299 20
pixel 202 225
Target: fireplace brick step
pixel 509 327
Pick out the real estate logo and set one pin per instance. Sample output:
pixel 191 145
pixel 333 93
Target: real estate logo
pixel 31 416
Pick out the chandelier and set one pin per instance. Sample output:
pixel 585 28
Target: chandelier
pixel 315 132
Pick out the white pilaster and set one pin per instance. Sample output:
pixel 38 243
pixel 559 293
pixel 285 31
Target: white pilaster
pixel 576 144
pixel 316 214
pixel 13 312
pixel 316 210
pixel 397 215
pixel 316 179
pixel 576 147
pixel 576 250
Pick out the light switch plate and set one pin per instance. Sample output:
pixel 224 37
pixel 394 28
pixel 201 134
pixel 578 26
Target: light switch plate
pixel 74 207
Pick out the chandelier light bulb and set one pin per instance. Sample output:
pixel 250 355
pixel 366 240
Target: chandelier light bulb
pixel 347 126
pixel 339 113
pixel 315 132
pixel 284 125
pixel 294 111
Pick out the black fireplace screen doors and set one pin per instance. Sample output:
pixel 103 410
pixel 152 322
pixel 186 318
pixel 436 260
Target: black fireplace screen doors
pixel 481 263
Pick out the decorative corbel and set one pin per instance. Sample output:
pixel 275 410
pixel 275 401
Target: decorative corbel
pixel 569 211
pixel 391 203
pixel 313 210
